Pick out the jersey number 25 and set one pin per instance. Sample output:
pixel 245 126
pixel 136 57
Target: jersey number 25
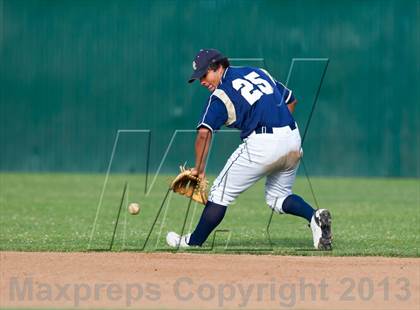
pixel 247 87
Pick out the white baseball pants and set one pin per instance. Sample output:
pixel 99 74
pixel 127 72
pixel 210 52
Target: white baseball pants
pixel 273 155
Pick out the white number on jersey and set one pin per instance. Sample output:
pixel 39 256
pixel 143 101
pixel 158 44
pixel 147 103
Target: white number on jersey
pixel 247 87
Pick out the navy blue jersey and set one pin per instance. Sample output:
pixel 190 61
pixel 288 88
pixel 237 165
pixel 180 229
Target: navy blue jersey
pixel 247 98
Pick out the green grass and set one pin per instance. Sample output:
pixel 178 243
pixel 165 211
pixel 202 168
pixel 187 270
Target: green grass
pixel 55 212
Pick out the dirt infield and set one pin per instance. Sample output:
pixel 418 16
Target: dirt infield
pixel 165 280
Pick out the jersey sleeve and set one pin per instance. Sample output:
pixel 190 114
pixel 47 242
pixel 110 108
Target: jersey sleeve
pixel 214 114
pixel 286 93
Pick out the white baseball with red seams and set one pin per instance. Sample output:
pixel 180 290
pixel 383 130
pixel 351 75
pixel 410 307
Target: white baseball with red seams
pixel 134 208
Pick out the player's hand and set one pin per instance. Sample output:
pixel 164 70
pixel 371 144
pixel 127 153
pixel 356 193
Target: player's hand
pixel 200 175
pixel 194 172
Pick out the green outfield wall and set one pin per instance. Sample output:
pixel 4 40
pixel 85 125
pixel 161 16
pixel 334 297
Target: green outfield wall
pixel 72 73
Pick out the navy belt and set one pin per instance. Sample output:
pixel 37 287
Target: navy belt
pixel 268 129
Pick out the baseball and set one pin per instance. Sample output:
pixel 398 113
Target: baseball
pixel 134 208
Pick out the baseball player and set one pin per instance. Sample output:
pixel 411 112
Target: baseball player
pixel 251 100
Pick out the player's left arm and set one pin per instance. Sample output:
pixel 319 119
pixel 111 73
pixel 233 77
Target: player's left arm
pixel 288 97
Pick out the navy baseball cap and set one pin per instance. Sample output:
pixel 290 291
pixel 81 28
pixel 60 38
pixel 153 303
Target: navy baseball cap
pixel 202 61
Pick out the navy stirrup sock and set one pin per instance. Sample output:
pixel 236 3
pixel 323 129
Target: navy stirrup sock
pixel 212 215
pixel 295 205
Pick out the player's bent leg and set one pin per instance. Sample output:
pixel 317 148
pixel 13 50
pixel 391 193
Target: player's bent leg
pixel 278 187
pixel 320 220
pixel 280 198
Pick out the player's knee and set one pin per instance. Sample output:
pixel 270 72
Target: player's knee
pixel 224 200
pixel 275 203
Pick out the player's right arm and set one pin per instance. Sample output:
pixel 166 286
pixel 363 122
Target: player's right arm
pixel 213 117
pixel 202 145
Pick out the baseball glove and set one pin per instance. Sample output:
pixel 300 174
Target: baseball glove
pixel 190 186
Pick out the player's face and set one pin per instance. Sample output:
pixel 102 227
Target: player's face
pixel 212 79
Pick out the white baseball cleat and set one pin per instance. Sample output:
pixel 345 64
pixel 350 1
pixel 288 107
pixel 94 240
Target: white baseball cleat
pixel 174 240
pixel 321 229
